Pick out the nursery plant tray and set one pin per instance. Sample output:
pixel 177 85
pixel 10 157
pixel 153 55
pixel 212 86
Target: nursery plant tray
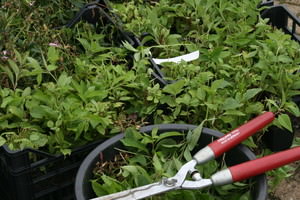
pixel 282 18
pixel 31 175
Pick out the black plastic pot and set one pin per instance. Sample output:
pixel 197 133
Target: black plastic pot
pixel 239 154
pixel 277 139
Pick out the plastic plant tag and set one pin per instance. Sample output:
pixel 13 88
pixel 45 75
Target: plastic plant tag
pixel 187 57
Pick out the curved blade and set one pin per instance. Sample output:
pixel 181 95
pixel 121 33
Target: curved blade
pixel 165 185
pixel 138 193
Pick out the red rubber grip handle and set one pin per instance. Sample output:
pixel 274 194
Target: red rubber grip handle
pixel 238 135
pixel 255 167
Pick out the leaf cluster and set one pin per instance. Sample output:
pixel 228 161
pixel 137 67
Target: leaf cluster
pixel 245 66
pixel 44 104
pixel 84 87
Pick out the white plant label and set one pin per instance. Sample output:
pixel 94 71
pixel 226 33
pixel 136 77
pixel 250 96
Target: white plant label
pixel 187 58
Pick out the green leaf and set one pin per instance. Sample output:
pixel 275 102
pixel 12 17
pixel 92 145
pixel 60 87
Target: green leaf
pixel 26 92
pixel 251 93
pixel 98 188
pixel 33 63
pixel 9 73
pixel 296 85
pixel 285 121
pixel 250 143
pixel 37 112
pixel 168 134
pixel 98 95
pixel 16 111
pixel 245 196
pixel 249 55
pixel 175 145
pixel 187 154
pixel 109 186
pixel 167 144
pixel 14 67
pixel 6 101
pixel 39 79
pixel 284 59
pixel 230 104
pixel 131 139
pixel 147 140
pixel 168 100
pixel 38 139
pixel 292 108
pixel 137 56
pixel 177 163
pixel 136 144
pixel 34 137
pixel 105 121
pixel 196 133
pixel 94 120
pixel 174 88
pixel 52 55
pixel 157 164
pixel 219 84
pixel 154 132
pixel 254 108
pixel 234 112
pixel 129 47
pixel 64 80
pixel 66 151
pixel 51 67
pixel 138 159
pixel 86 45
pixel 201 94
pixel 186 99
pixel 204 77
pixel 136 172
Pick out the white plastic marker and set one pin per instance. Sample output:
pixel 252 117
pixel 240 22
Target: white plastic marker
pixel 187 57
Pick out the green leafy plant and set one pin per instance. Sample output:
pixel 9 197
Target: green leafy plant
pixel 245 66
pixel 61 88
pixel 75 85
pixel 46 105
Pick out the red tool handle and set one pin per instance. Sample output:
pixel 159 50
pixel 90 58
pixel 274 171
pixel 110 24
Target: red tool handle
pixel 255 167
pixel 238 135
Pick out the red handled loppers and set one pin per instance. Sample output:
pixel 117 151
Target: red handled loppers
pixel 216 148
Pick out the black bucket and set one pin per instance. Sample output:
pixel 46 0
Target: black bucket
pixel 239 154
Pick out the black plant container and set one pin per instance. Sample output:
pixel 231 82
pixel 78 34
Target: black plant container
pixel 239 154
pixel 282 18
pixel 278 139
pixel 47 177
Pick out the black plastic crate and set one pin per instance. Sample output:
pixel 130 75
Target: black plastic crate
pixel 35 175
pixel 100 14
pixel 282 18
